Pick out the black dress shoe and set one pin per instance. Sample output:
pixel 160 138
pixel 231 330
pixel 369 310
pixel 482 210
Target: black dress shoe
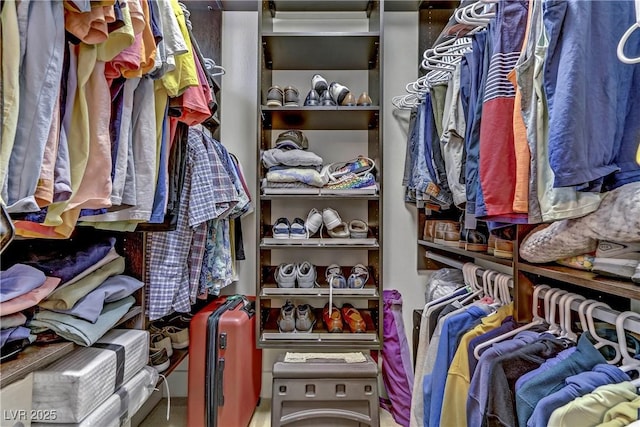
pixel 313 99
pixel 326 100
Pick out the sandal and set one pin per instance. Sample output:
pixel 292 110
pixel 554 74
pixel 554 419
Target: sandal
pixel 358 277
pixel 358 229
pixel 334 277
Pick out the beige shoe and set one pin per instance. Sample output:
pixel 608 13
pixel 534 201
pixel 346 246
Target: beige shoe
pixel 364 100
pixel 179 337
pixel 159 341
pixel 349 100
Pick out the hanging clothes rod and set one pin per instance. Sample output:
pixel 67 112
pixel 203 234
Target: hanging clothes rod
pixel 604 314
pixel 458 264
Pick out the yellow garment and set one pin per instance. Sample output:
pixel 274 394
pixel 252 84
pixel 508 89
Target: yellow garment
pixel 590 409
pixel 521 145
pixel 147 45
pixel 119 39
pixel 10 64
pixel 622 414
pixel 185 74
pixel 65 297
pixel 44 189
pixel 456 390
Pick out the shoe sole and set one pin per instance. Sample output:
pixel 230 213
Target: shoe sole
pixel 451 243
pixel 312 104
pixel 287 285
pixel 502 254
pixel 163 366
pixel 475 247
pixel 274 104
pixel 276 236
pixel 291 104
pixel 180 345
pixel 297 236
pixel 624 268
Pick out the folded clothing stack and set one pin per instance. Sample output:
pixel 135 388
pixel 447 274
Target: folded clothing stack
pixel 123 404
pixel 75 386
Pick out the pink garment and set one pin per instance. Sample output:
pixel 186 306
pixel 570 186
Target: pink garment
pixel 126 61
pixel 30 298
pixel 90 27
pixel 137 16
pixel 196 100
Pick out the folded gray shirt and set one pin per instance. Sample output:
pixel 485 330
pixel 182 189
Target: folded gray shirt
pixel 112 289
pixel 276 156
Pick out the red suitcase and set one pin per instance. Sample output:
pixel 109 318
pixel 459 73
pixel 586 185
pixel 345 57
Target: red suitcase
pixel 225 367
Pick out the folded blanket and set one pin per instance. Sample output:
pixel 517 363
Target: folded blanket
pixel 276 156
pixel 306 176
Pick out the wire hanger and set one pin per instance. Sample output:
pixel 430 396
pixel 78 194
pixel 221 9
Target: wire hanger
pixel 625 37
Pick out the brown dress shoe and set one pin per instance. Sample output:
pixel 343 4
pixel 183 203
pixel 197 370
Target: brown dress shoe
pixel 429 230
pixel 447 233
pixel 353 318
pixel 491 246
pixel 333 322
pixel 364 100
pixel 349 100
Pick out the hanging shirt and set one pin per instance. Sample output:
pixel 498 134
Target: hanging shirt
pixel 207 193
pixel 497 154
pixel 621 415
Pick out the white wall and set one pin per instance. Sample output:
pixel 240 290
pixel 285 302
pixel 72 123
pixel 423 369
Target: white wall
pixel 239 133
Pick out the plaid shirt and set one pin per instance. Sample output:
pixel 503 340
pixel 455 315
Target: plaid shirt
pixel 207 193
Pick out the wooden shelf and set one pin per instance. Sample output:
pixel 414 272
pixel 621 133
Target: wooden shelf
pixel 321 6
pixel 271 290
pixel 315 243
pixel 276 339
pixel 31 359
pixel 320 51
pixel 465 253
pixel 176 359
pixel 585 279
pixel 320 196
pixel 321 118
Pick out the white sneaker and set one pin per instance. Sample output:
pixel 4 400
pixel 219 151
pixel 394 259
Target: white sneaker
pixel 338 92
pixel 306 275
pixel 314 221
pixel 331 218
pixel 286 275
pixel 617 259
pixel 319 83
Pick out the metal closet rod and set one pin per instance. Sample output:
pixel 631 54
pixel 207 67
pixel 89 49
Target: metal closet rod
pixel 458 264
pixel 604 314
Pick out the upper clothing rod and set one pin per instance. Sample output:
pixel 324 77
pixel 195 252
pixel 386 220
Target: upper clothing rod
pixel 458 264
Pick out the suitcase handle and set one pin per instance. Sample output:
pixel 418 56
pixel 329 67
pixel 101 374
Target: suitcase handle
pixel 250 309
pixel 220 382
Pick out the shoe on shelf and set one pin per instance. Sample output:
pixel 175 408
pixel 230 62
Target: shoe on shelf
pixel 358 277
pixel 158 341
pixel 281 228
pixel 298 230
pixel 491 244
pixel 305 319
pixel 429 230
pixel 275 96
pixel 312 99
pixel 333 320
pixel 349 100
pixel 358 229
pixel 292 140
pixel 334 277
pixel 331 218
pixel 285 275
pixel 326 100
pixel 338 92
pixel 319 84
pixel 353 318
pixel 286 319
pixel 617 259
pixel 359 166
pixel 291 97
pixel 179 336
pixel 579 262
pixel 636 275
pixel 474 240
pixel 447 233
pixel 158 359
pixel 339 232
pixel 306 275
pixel 314 222
pixel 504 242
pixel 364 100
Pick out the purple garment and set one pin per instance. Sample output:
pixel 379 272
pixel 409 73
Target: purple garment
pixel 550 363
pixel 397 370
pixel 508 324
pixel 13 334
pixel 114 288
pixel 478 392
pixel 19 279
pixel 65 262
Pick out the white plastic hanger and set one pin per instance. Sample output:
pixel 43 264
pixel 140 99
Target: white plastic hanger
pixel 568 327
pixel 537 320
pixel 554 327
pixel 487 276
pixel 629 363
pixel 562 313
pixel 600 341
pixel 625 37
